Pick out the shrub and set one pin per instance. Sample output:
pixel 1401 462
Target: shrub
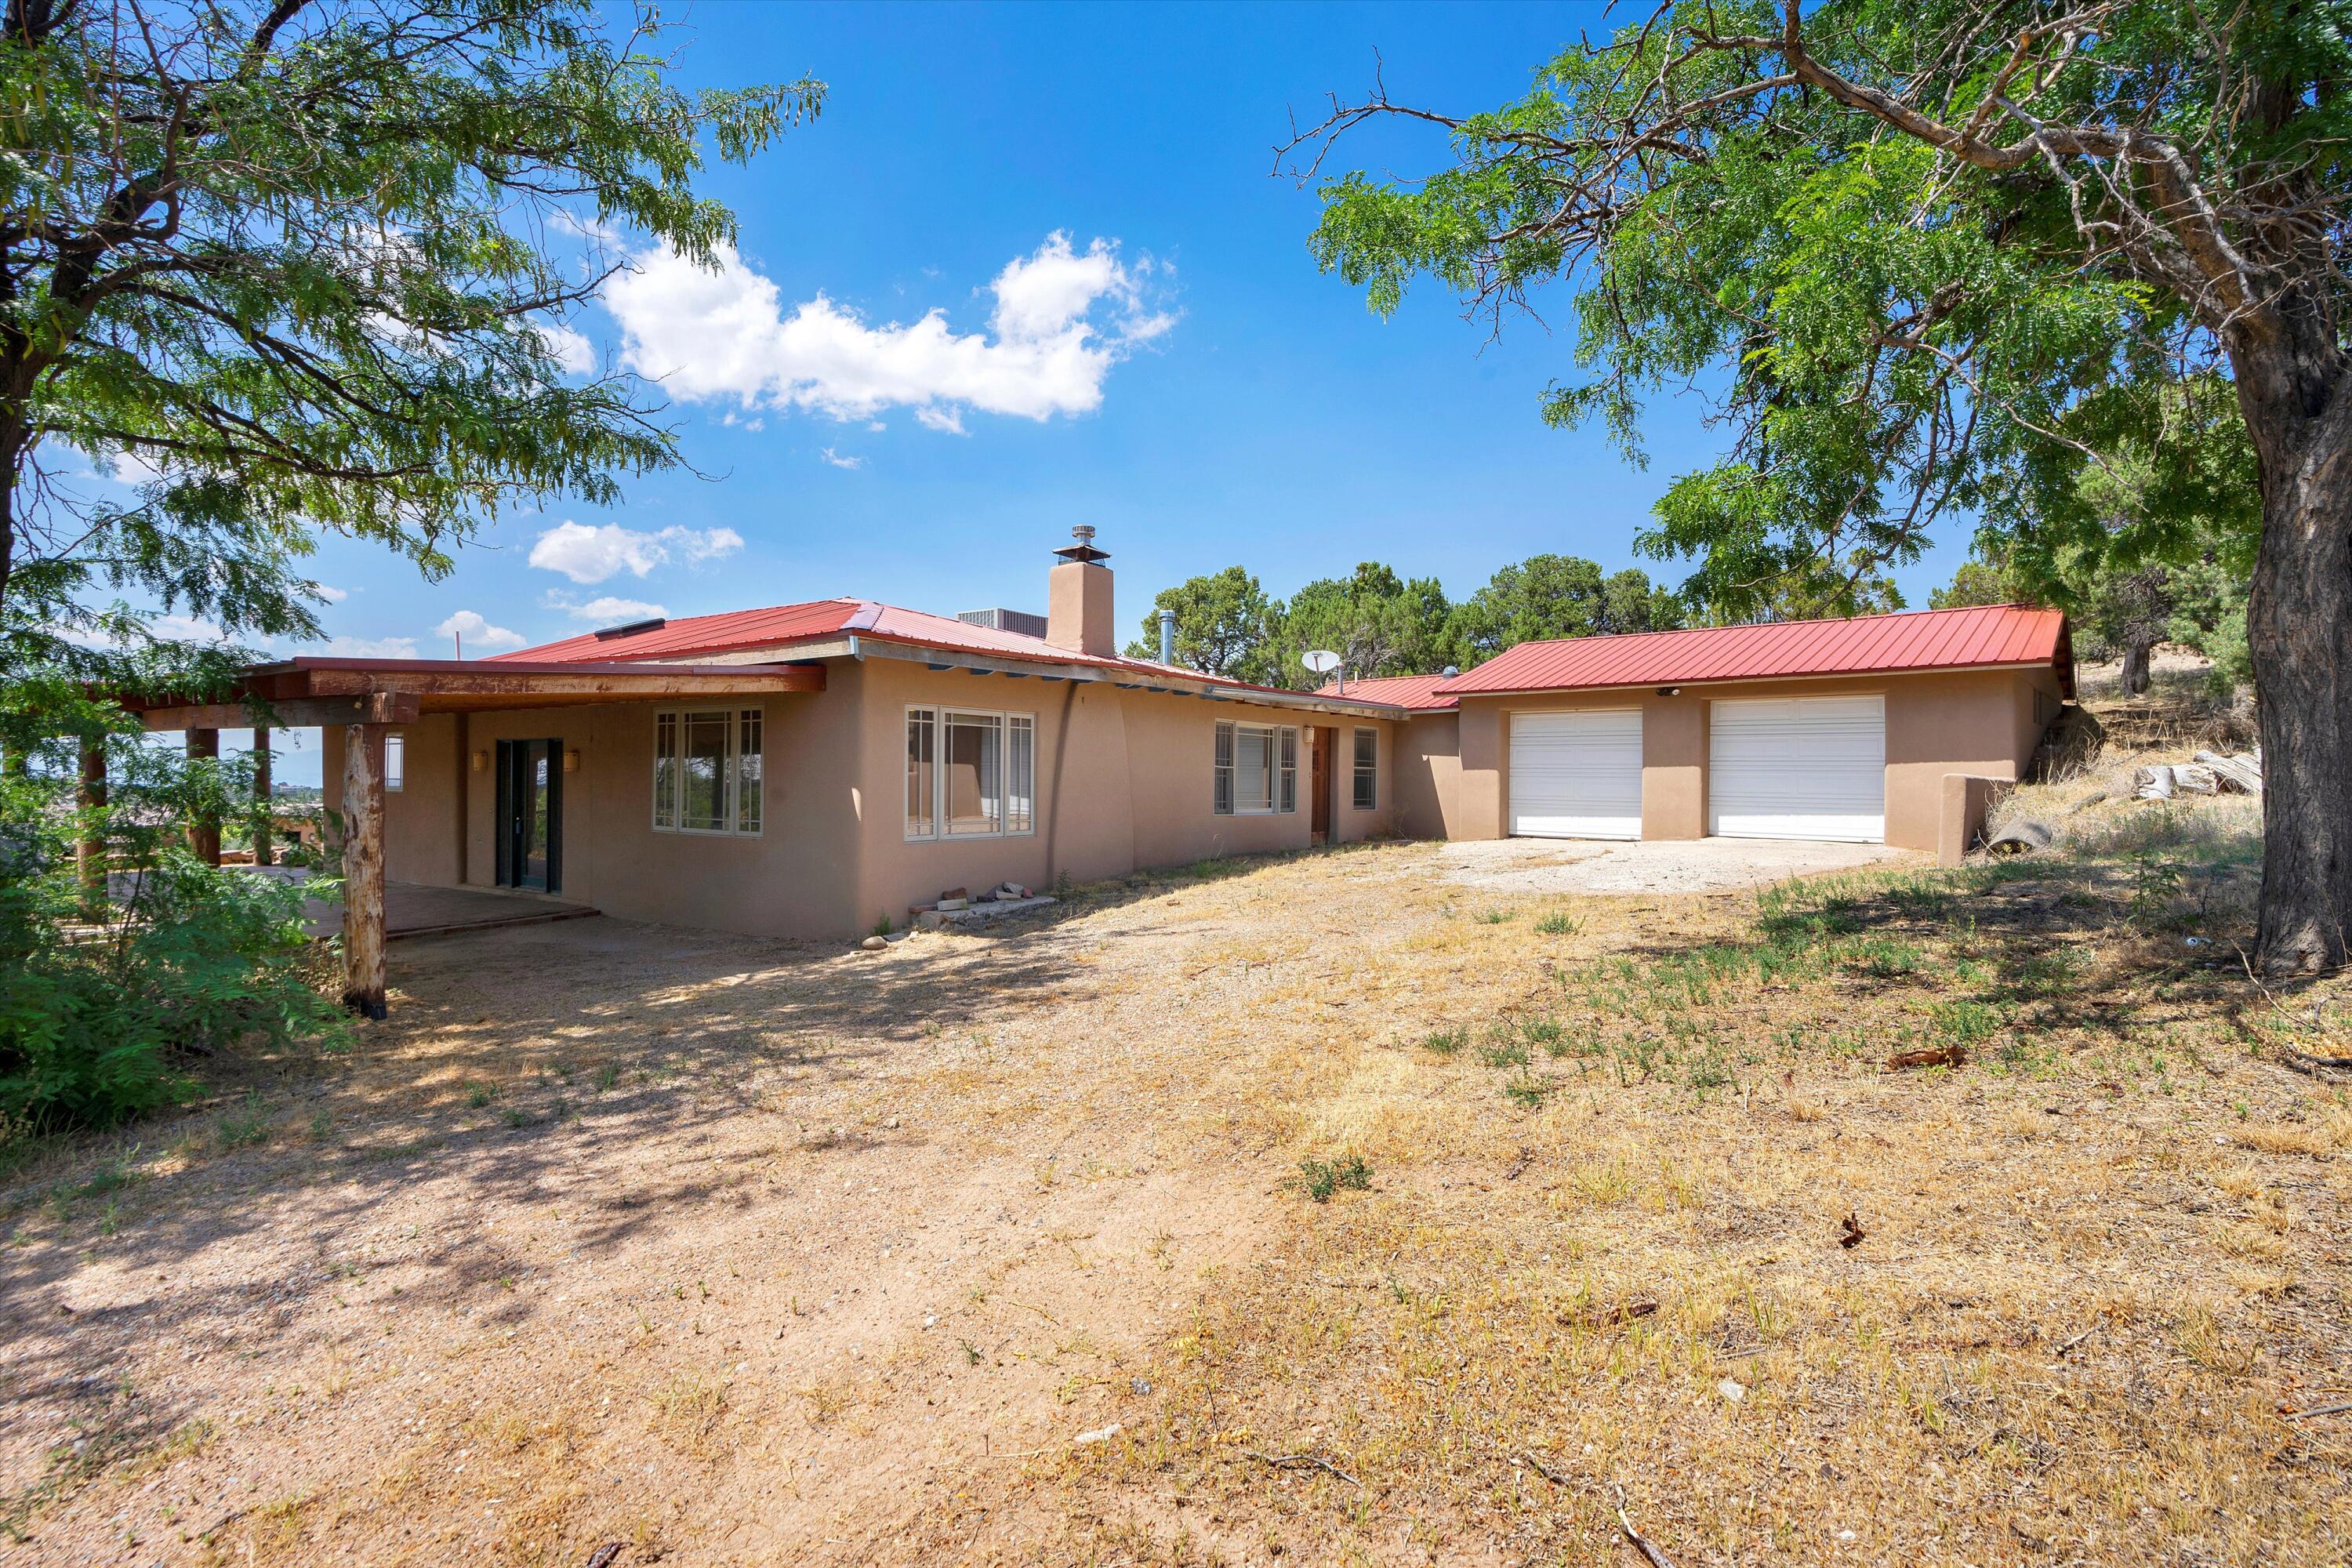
pixel 99 1019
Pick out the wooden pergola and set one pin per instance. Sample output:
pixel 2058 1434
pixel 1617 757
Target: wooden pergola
pixel 368 698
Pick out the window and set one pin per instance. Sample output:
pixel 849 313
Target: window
pixel 971 774
pixel 1367 769
pixel 395 762
pixel 1256 770
pixel 708 774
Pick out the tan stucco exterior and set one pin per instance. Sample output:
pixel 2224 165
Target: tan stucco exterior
pixel 1123 781
pixel 1982 723
pixel 1124 777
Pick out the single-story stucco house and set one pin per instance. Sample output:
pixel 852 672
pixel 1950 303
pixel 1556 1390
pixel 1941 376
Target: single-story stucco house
pixel 810 770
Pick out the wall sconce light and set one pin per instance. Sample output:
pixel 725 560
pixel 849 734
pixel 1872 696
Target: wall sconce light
pixel 1670 691
pixel 572 761
pixel 481 762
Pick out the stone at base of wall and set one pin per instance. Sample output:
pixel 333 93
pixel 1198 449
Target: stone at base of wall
pixel 1968 797
pixel 977 914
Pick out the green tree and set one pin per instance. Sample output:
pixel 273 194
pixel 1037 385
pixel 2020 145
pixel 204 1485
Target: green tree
pixel 1941 256
pixel 295 267
pixel 1555 596
pixel 306 265
pixel 1223 622
pixel 1378 623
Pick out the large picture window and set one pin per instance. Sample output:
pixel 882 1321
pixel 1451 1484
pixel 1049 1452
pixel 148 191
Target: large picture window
pixel 1256 770
pixel 971 774
pixel 707 772
pixel 1368 769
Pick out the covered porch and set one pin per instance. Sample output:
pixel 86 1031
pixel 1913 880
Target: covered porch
pixel 367 700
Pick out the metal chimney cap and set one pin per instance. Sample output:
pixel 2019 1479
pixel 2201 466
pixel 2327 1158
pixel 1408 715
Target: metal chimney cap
pixel 1451 670
pixel 1084 550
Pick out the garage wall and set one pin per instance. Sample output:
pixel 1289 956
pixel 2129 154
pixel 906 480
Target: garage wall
pixel 1968 721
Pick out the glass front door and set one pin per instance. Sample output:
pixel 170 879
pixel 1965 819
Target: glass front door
pixel 530 814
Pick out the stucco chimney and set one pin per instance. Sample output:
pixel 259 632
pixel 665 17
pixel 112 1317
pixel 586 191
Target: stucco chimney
pixel 1078 613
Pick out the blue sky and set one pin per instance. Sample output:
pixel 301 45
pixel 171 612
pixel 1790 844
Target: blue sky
pixel 1214 400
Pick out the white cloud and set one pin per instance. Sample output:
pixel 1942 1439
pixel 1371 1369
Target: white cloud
pixel 472 626
pixel 372 648
pixel 187 628
pixel 332 595
pixel 840 460
pixel 718 334
pixel 606 611
pixel 588 554
pixel 568 348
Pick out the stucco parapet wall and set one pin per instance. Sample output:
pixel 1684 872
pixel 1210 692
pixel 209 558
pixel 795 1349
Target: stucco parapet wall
pixel 980 663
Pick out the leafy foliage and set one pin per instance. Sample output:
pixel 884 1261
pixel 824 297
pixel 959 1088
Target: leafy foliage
pixel 1381 624
pixel 104 1007
pixel 1907 334
pixel 1224 626
pixel 304 266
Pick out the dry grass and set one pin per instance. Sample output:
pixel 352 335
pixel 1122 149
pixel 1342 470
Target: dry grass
pixel 1582 1234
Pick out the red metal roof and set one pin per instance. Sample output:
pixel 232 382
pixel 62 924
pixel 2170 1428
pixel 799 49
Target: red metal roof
pixel 1418 693
pixel 778 629
pixel 734 630
pixel 1865 645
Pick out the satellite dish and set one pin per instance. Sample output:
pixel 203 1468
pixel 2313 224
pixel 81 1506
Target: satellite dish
pixel 1322 661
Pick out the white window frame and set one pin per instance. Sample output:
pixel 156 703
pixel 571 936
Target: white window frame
pixel 1364 773
pixel 731 824
pixel 1282 770
pixel 396 763
pixel 1009 723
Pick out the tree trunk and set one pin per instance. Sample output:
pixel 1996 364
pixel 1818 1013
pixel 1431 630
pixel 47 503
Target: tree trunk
pixel 2298 408
pixel 2136 656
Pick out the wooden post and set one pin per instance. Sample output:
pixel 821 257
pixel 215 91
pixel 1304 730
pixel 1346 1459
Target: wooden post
pixel 203 833
pixel 364 869
pixel 89 853
pixel 261 792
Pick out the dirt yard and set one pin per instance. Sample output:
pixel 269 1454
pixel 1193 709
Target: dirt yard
pixel 1315 1210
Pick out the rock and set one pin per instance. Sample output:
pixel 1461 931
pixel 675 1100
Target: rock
pixel 954 893
pixel 1731 1391
pixel 948 904
pixel 1099 1435
pixel 874 943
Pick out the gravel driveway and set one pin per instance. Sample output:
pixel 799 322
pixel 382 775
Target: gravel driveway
pixel 1682 866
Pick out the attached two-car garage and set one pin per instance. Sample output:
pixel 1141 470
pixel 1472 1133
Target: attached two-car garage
pixel 1785 767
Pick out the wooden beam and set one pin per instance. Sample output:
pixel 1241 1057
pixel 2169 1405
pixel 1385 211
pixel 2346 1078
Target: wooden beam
pixel 89 852
pixel 382 707
pixel 363 869
pixel 204 832
pixel 497 683
pixel 261 792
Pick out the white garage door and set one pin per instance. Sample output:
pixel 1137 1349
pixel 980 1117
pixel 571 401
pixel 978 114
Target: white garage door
pixel 1799 767
pixel 1577 775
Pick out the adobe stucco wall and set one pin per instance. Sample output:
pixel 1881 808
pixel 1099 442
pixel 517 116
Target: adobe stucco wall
pixel 1123 781
pixel 781 883
pixel 1428 773
pixel 1977 721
